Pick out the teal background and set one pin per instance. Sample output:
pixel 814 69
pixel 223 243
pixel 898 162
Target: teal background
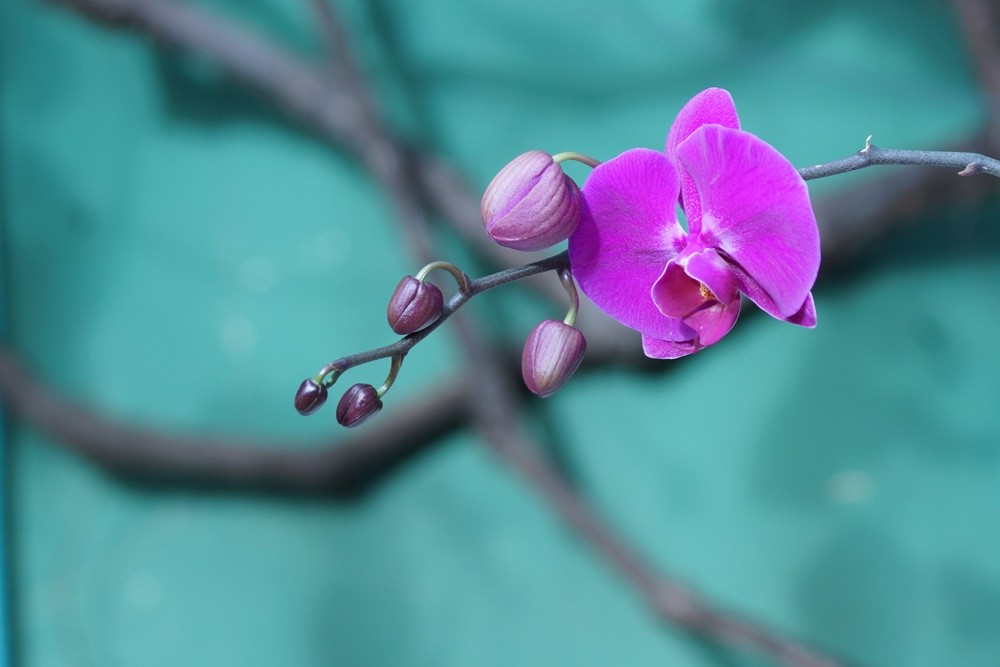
pixel 180 256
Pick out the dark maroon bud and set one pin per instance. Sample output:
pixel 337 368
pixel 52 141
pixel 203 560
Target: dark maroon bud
pixel 414 305
pixel 357 404
pixel 310 397
pixel 531 204
pixel 552 354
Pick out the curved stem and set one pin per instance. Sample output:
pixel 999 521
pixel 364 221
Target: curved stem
pixel 397 362
pixel 579 157
pixel 566 277
pixel 870 155
pixel 401 347
pixel 321 376
pixel 457 273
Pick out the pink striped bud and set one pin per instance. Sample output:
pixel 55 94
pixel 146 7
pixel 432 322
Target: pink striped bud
pixel 552 354
pixel 531 204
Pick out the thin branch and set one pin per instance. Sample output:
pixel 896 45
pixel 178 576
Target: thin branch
pixel 475 287
pixel 853 219
pixel 871 155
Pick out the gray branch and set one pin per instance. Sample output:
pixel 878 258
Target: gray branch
pixel 871 155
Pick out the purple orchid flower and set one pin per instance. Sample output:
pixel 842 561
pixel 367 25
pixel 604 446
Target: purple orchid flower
pixel 751 230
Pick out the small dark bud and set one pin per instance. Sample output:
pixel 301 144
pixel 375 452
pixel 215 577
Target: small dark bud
pixel 531 204
pixel 357 404
pixel 310 397
pixel 552 354
pixel 414 305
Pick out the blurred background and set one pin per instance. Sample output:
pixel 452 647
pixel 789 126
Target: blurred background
pixel 180 249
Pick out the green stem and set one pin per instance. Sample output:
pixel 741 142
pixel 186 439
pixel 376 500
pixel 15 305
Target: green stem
pixel 330 370
pixel 457 274
pixel 579 157
pixel 566 277
pixel 397 362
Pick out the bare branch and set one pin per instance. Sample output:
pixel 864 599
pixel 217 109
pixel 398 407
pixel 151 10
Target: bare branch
pixel 852 220
pixel 871 155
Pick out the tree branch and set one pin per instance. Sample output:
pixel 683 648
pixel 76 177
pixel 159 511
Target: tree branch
pixel 871 155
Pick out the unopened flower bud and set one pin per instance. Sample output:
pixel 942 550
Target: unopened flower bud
pixel 552 354
pixel 357 404
pixel 531 204
pixel 414 305
pixel 310 397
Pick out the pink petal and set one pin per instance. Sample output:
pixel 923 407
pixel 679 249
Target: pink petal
pixel 675 293
pixel 713 322
pixel 717 274
pixel 756 209
pixel 665 349
pixel 806 317
pixel 628 231
pixel 704 293
pixel 679 289
pixel 711 106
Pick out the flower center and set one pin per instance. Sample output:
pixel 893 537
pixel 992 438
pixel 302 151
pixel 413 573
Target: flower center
pixel 706 293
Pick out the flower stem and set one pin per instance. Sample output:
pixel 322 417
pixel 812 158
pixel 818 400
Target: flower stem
pixel 579 157
pixel 322 379
pixel 457 274
pixel 402 347
pixel 397 362
pixel 574 298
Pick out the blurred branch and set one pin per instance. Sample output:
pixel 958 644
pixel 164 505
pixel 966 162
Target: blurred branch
pixel 342 116
pixel 980 21
pixel 332 467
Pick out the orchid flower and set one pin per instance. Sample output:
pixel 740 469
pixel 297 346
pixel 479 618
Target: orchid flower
pixel 750 230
